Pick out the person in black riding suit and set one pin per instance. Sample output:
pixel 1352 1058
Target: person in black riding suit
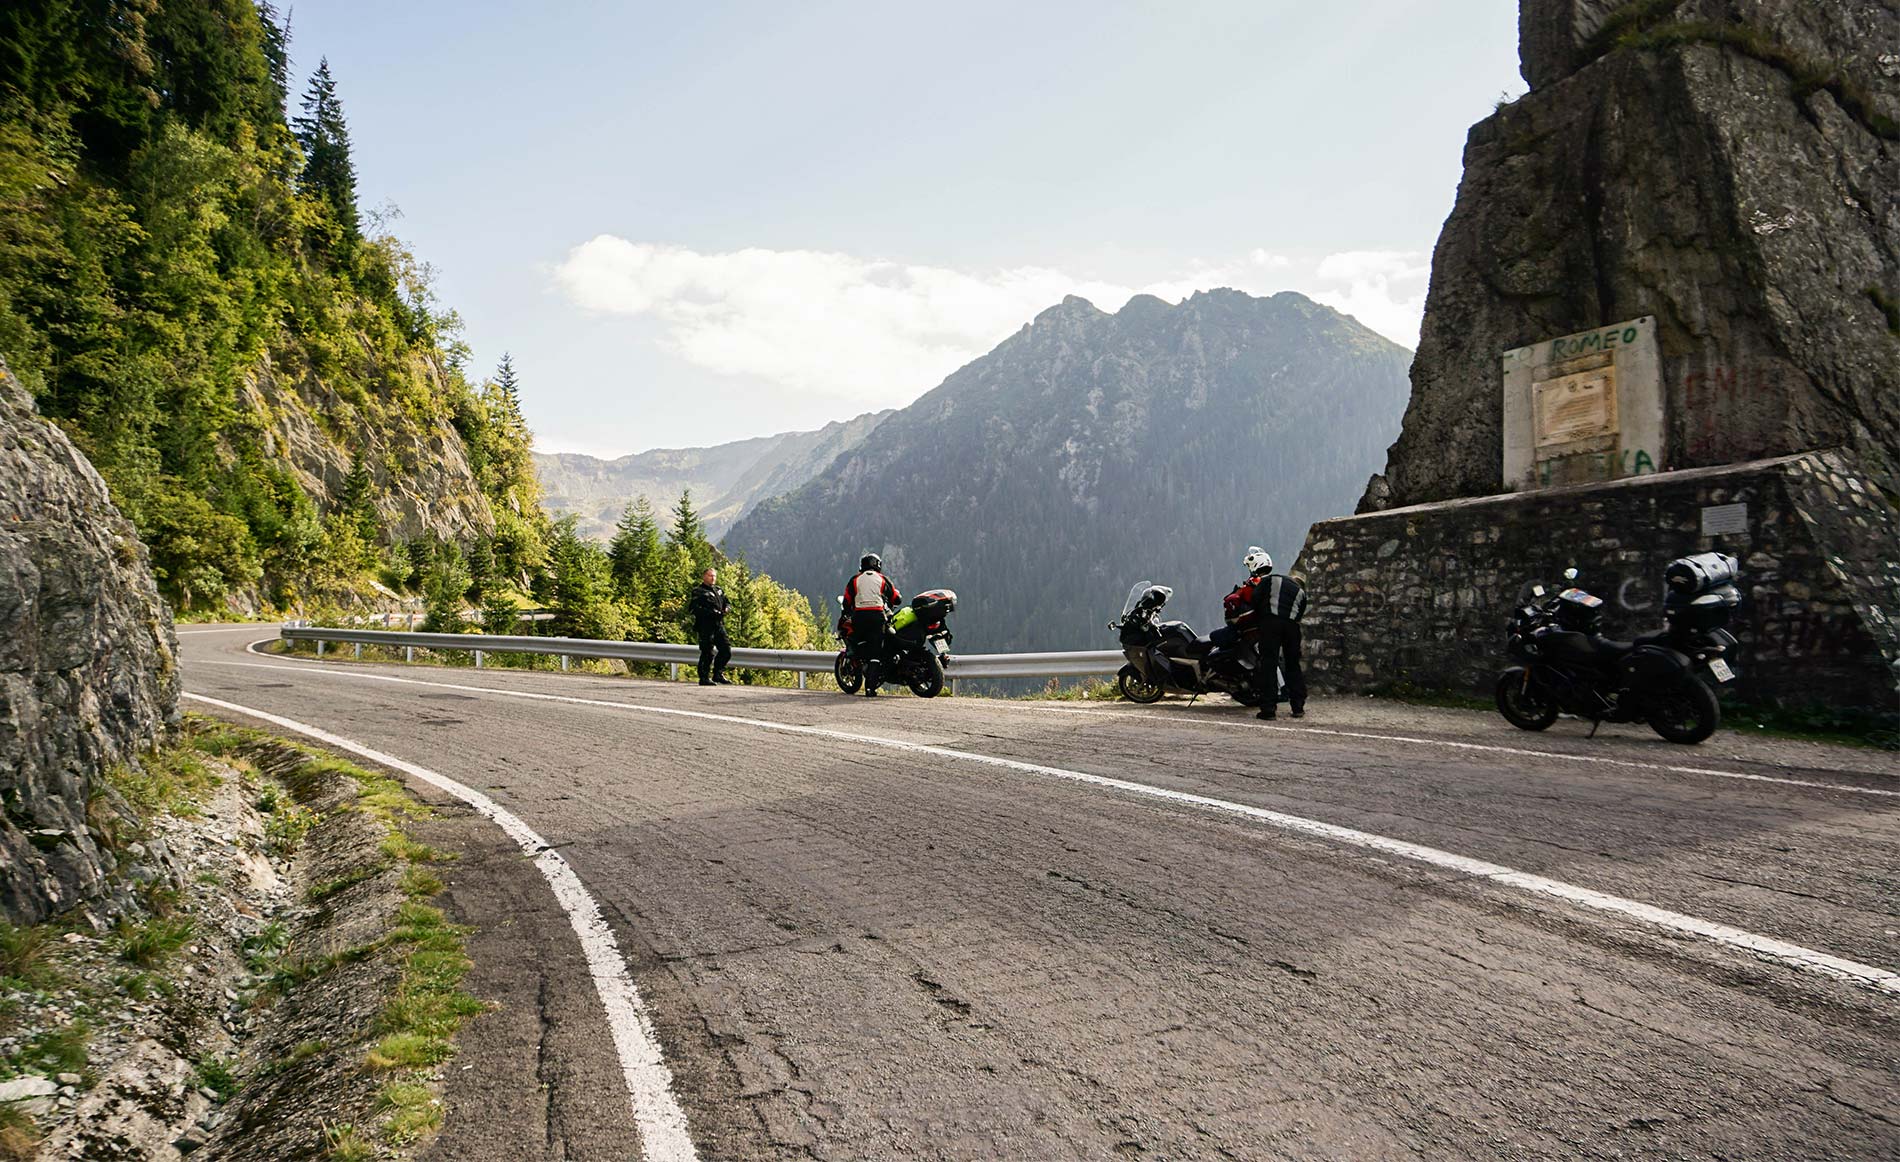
pixel 709 608
pixel 869 599
pixel 1279 603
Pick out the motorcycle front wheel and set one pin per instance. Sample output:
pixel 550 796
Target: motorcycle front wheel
pixel 1136 688
pixel 926 676
pixel 1686 712
pixel 849 672
pixel 1522 704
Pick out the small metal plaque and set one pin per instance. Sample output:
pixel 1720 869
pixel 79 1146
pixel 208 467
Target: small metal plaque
pixel 1718 519
pixel 1576 407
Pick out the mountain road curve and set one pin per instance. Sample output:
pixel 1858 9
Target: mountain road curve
pixel 968 928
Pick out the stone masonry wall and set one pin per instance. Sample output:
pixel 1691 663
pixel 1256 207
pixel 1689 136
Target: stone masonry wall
pixel 88 669
pixel 1420 595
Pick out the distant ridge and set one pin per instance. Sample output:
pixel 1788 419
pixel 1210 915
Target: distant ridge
pixel 727 480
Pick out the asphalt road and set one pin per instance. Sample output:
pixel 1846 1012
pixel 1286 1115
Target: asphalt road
pixel 964 928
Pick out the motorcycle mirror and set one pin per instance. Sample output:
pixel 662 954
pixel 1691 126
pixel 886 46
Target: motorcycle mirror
pixel 1570 574
pixel 1537 591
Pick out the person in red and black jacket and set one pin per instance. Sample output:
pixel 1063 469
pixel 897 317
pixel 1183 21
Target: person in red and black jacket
pixel 869 599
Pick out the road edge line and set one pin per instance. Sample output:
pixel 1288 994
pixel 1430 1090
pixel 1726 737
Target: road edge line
pixel 659 1119
pixel 1794 955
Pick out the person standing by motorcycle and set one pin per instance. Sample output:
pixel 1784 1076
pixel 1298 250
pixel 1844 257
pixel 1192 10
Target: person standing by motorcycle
pixel 1279 603
pixel 709 608
pixel 869 598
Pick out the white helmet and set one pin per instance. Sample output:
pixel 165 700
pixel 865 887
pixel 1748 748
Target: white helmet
pixel 1257 561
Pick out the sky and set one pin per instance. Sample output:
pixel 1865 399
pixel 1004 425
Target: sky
pixel 696 222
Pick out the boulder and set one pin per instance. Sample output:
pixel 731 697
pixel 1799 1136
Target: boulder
pixel 88 661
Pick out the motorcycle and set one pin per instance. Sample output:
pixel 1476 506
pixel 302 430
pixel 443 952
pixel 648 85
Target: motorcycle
pixel 1166 655
pixel 914 651
pixel 1667 678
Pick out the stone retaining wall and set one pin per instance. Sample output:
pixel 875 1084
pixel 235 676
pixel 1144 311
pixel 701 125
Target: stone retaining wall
pixel 1420 595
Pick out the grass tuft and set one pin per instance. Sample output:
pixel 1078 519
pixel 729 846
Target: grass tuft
pixel 414 1112
pixel 149 943
pixel 218 1075
pixel 343 1142
pixel 24 952
pixel 19 1136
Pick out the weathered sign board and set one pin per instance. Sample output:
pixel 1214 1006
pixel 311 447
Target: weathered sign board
pixel 1583 408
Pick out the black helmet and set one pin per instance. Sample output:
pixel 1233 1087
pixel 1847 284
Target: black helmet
pixel 871 561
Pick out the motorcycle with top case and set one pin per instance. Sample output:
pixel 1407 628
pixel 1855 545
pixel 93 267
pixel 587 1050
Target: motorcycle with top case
pixel 1667 678
pixel 915 648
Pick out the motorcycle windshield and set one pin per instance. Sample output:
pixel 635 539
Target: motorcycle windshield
pixel 1140 591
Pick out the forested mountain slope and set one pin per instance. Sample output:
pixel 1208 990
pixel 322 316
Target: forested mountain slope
pixel 267 386
pixel 726 480
pixel 1090 451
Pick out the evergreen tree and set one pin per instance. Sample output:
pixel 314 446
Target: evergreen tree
pixel 509 384
pixel 328 173
pixel 689 533
pixel 635 550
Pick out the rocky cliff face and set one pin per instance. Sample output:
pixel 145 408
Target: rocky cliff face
pixel 88 672
pixel 1090 451
pixel 421 482
pixel 1731 167
pixel 727 480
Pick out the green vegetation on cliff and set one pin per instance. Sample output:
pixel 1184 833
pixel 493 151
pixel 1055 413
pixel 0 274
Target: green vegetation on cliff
pixel 267 384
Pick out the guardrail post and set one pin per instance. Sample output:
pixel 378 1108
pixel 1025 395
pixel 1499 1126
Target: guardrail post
pixel 478 659
pixel 672 671
pixel 357 651
pixel 319 649
pixel 801 679
pixel 563 663
pixel 408 653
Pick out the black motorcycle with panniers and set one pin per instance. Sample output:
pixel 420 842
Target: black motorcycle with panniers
pixel 1667 678
pixel 1168 655
pixel 914 649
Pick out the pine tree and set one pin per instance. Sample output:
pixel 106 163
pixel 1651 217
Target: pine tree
pixel 689 532
pixel 635 550
pixel 510 385
pixel 328 172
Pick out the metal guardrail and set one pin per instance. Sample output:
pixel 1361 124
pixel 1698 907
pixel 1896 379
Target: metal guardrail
pixel 1078 664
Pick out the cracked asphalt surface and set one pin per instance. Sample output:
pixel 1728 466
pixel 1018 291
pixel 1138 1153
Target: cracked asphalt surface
pixel 850 952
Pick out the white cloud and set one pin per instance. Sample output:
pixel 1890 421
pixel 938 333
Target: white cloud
pixel 1384 289
pixel 882 332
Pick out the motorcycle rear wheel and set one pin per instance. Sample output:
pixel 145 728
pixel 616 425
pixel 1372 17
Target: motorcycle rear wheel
pixel 849 672
pixel 1522 704
pixel 1136 688
pixel 1686 712
pixel 926 676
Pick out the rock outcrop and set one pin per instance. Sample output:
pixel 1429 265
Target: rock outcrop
pixel 1731 167
pixel 421 482
pixel 88 673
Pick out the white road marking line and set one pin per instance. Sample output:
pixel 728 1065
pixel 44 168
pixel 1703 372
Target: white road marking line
pixel 1765 946
pixel 656 1113
pixel 1492 748
pixel 1450 744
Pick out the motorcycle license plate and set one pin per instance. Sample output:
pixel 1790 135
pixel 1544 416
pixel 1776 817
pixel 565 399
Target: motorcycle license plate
pixel 1720 669
pixel 937 647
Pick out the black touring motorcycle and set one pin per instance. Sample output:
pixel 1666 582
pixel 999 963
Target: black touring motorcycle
pixel 1166 655
pixel 913 652
pixel 1667 678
